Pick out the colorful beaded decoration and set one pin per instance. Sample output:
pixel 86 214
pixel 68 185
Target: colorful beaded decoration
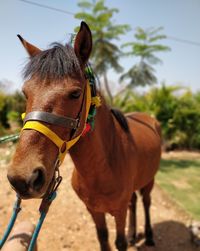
pixel 95 101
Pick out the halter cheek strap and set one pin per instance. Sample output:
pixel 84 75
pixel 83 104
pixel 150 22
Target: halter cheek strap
pixel 63 145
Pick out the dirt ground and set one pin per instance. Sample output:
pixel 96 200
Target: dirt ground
pixel 68 226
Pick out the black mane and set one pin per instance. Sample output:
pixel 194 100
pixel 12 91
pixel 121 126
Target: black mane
pixel 55 63
pixel 121 119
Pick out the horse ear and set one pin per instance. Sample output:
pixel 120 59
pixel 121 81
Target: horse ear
pixel 83 43
pixel 31 49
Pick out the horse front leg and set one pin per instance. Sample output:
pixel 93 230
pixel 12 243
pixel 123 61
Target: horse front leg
pixel 132 229
pixel 102 230
pixel 120 220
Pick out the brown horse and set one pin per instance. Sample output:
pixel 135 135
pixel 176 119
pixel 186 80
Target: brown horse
pixel 121 155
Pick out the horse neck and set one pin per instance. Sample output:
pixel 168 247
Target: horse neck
pixel 96 152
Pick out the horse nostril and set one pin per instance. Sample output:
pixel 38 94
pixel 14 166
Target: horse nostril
pixel 18 184
pixel 37 179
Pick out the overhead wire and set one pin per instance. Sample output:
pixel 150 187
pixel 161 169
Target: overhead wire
pixel 47 7
pixel 173 38
pixel 185 41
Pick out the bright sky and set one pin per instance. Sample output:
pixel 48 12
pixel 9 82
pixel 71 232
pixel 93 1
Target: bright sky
pixel 180 19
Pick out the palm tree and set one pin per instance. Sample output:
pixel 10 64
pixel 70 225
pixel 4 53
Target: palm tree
pixel 105 54
pixel 144 47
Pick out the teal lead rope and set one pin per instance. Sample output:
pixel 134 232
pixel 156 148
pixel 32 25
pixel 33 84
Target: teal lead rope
pixel 8 138
pixel 44 207
pixel 45 204
pixel 16 210
pixel 43 212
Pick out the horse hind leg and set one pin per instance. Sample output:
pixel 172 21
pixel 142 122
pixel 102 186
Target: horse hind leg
pixel 101 229
pixel 146 198
pixel 132 230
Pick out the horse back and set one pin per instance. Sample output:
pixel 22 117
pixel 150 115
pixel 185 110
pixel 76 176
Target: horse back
pixel 146 121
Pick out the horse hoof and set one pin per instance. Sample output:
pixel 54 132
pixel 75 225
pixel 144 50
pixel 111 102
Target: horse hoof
pixel 131 242
pixel 131 239
pixel 150 242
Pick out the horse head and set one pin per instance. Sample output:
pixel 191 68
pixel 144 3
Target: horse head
pixel 55 90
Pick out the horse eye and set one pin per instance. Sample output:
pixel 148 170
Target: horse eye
pixel 75 94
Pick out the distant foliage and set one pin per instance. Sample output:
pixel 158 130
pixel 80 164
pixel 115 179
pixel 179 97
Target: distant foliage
pixel 4 108
pixel 175 107
pixel 11 107
pixel 17 106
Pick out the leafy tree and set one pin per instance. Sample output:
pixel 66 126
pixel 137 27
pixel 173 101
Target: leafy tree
pixel 145 47
pixel 105 54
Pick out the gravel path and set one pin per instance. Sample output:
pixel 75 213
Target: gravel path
pixel 68 226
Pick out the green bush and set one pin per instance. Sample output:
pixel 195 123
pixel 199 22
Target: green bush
pixel 186 121
pixel 4 108
pixel 11 107
pixel 175 107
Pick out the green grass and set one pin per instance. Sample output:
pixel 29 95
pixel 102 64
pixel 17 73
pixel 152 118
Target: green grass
pixel 181 179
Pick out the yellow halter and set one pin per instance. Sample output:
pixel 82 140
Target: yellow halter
pixel 38 126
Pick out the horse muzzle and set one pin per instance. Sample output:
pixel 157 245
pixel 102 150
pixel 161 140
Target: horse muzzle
pixel 31 186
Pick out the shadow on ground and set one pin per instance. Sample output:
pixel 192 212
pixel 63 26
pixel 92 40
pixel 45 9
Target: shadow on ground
pixel 169 236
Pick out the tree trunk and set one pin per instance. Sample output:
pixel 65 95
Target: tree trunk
pixel 108 88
